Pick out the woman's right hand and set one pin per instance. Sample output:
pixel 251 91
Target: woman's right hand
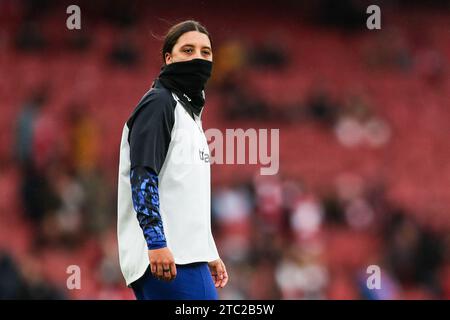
pixel 160 260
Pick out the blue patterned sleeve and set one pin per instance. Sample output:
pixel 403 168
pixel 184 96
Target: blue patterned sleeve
pixel 145 194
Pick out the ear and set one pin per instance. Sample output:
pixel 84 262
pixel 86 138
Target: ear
pixel 168 58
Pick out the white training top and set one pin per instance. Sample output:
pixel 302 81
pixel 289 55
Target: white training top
pixel 175 147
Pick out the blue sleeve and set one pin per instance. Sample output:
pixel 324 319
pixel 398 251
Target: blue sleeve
pixel 145 195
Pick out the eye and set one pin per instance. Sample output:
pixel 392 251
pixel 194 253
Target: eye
pixel 188 50
pixel 206 52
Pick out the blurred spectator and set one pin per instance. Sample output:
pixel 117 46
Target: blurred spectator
pixel 229 58
pixel 268 200
pixel 357 125
pixel 320 106
pixel 301 276
pixel 26 125
pixel 47 141
pixel 11 282
pixel 232 209
pixel 25 282
pixel 414 254
pixel 306 218
pixel 37 197
pixel 239 102
pixel 359 214
pixel 37 148
pixel 270 53
pixel 83 138
pixel 30 38
pixel 334 211
pixel 99 203
pixel 124 52
pixel 68 215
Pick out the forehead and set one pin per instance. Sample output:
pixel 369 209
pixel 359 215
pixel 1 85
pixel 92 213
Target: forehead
pixel 195 38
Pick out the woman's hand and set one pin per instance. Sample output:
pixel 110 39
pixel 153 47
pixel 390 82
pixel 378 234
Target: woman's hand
pixel 218 272
pixel 162 264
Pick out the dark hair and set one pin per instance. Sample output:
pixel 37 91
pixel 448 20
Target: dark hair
pixel 176 31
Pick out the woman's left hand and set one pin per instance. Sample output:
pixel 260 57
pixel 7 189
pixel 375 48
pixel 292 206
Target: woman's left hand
pixel 218 272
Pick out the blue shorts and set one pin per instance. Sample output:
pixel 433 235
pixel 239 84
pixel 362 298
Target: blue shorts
pixel 193 282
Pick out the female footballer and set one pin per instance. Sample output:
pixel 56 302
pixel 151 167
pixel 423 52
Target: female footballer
pixel 166 248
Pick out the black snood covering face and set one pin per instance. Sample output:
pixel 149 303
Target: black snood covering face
pixel 187 79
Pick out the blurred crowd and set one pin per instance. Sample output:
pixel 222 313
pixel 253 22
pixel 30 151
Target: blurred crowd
pixel 283 241
pixel 280 236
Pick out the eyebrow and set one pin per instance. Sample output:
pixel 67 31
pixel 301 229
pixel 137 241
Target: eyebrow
pixel 191 45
